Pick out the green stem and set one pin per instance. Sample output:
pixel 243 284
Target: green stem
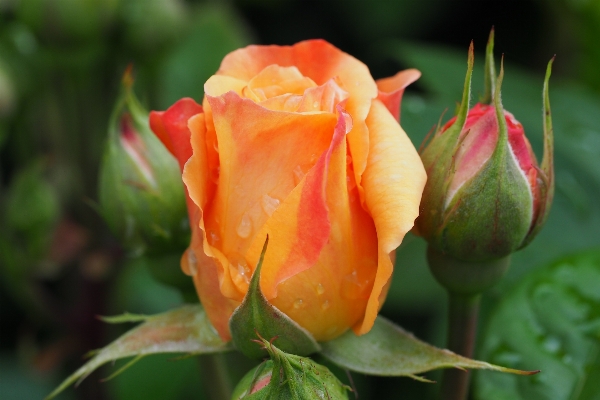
pixel 215 376
pixel 464 281
pixel 462 333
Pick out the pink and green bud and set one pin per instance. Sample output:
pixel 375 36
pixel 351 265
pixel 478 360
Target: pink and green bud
pixel 287 376
pixel 486 196
pixel 141 192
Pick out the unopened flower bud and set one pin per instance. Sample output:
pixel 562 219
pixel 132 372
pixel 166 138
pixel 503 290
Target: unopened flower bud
pixel 287 376
pixel 141 192
pixel 486 196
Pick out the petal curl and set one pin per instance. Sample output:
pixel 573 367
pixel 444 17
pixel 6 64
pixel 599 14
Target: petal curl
pixel 393 182
pixel 262 152
pixel 171 128
pixel 320 61
pixel 324 291
pixel 391 89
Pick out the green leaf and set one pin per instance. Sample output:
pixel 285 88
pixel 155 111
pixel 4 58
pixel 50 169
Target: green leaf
pixel 183 330
pixel 257 316
pixel 388 350
pixel 551 321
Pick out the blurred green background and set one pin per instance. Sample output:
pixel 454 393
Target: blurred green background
pixel 61 62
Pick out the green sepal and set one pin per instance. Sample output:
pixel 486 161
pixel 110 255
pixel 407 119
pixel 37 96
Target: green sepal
pixel 183 330
pixel 546 171
pixel 498 202
pixel 289 377
pixel 439 161
pixel 256 315
pixel 489 79
pixel 388 350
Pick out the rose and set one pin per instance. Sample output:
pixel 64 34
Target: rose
pixel 491 204
pixel 300 143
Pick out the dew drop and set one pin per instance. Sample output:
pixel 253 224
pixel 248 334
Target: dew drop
pixel 320 289
pixel 354 287
pixel 239 264
pixel 269 204
pixel 192 262
pixel 316 105
pixel 298 303
pixel 213 238
pixel 298 174
pixel 215 174
pixel 325 305
pixel 244 229
pixel 350 182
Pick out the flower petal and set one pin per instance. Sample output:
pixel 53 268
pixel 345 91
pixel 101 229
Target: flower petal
pixel 391 89
pixel 171 128
pixel 319 61
pixel 263 154
pixel 393 183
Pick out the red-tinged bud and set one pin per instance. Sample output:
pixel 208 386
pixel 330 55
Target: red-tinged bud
pixel 287 376
pixel 486 196
pixel 141 193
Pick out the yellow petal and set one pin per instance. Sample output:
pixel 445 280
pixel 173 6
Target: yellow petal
pixel 393 182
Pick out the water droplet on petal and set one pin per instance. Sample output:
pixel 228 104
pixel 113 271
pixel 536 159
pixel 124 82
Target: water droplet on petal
pixel 213 238
pixel 355 287
pixel 240 265
pixel 244 229
pixel 320 289
pixel 192 262
pixel 299 303
pixel 269 204
pixel 325 305
pixel 316 105
pixel 350 182
pixel 215 174
pixel 298 174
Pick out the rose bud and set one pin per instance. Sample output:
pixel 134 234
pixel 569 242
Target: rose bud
pixel 486 196
pixel 141 194
pixel 287 376
pixel 301 144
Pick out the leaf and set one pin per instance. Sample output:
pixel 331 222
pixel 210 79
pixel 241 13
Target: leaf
pixel 257 316
pixel 388 350
pixel 551 321
pixel 183 330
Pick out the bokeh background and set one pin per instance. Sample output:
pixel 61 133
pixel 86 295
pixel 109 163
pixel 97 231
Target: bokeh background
pixel 61 62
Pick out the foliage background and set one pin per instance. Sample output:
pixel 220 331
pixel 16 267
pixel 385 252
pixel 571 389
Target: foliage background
pixel 60 66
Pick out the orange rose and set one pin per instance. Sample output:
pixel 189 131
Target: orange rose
pixel 300 143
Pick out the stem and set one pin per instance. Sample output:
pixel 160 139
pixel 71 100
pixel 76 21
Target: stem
pixel 216 377
pixel 464 281
pixel 462 333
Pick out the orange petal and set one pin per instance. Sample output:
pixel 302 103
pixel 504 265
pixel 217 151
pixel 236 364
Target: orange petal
pixel 393 183
pixel 328 295
pixel 260 153
pixel 171 128
pixel 319 61
pixel 204 271
pixel 391 89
